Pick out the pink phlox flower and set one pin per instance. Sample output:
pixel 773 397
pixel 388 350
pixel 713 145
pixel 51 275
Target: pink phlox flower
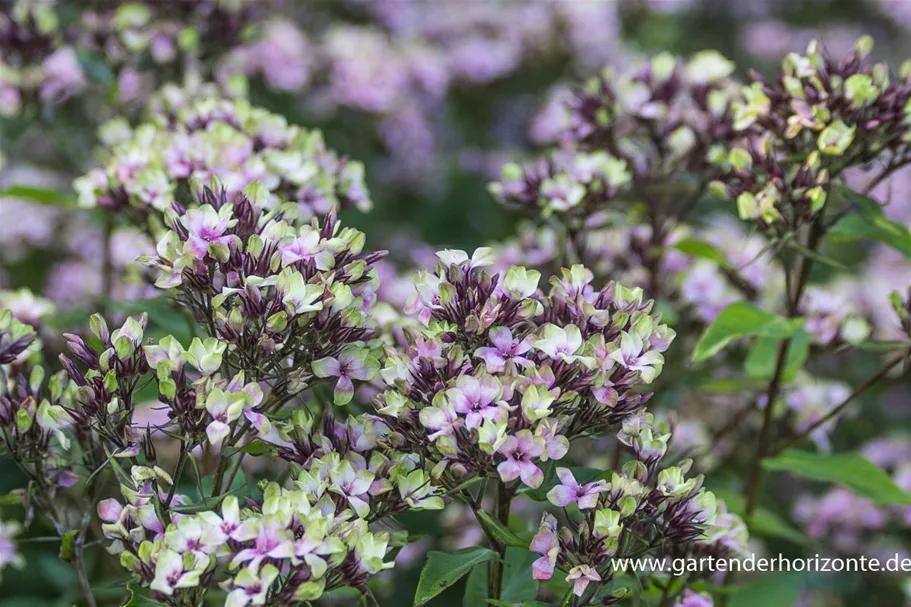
pixel 569 491
pixel 519 451
pixel 505 350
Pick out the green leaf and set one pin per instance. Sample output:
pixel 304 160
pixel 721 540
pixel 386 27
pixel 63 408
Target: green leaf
pixel 45 196
pixel 763 521
pixel 140 597
pixel 255 448
pixel 497 603
pixel 67 549
pixel 870 222
pixel 760 362
pixel 518 585
pixel 775 590
pixel 500 531
pixel 443 569
pixel 700 248
pixel 95 66
pixel 849 469
pixel 10 499
pixel 731 385
pixel 743 319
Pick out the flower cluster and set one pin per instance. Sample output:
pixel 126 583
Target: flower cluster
pixel 33 420
pixel 285 300
pixel 290 547
pixel 118 40
pixel 36 62
pixel 635 511
pixel 799 131
pixel 503 376
pixel 107 380
pixel 357 462
pixel 628 132
pixel 194 134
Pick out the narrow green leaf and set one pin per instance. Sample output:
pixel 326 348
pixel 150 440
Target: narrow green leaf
pixel 255 448
pixel 816 256
pixel 443 569
pixel 870 222
pixel 700 248
pixel 731 385
pixel 849 469
pixel 760 362
pixel 743 319
pixel 45 196
pixel 10 499
pixel 770 590
pixel 500 531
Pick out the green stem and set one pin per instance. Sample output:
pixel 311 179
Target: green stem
pixel 875 379
pixel 502 504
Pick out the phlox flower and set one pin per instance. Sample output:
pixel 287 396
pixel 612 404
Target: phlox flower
pixel 273 540
pixel 206 228
pixel 475 398
pixel 191 536
pixel 505 351
pixel 224 408
pixel 581 576
pixel 569 491
pixel 355 363
pixel 546 544
pixel 353 485
pixel 251 586
pixel 519 451
pixel 174 571
pixel 304 247
pixel 563 343
pixel 631 356
pixel 228 526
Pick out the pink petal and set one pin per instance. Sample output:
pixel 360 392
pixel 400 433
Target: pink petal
pixel 542 569
pixel 509 470
pixel 109 510
pixel 562 496
pixel 531 475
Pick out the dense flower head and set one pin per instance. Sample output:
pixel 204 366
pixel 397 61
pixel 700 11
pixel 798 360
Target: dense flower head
pixel 196 133
pixel 667 514
pixel 54 57
pixel 802 129
pixel 106 379
pixel 626 132
pixel 35 426
pixel 664 112
pixel 288 297
pixel 355 462
pixel 503 375
pixel 37 63
pixel 840 517
pixel 289 546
